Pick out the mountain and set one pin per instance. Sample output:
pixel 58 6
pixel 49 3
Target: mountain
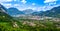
pixel 54 12
pixel 14 11
pixel 3 15
pixel 39 13
pixel 3 8
pixel 28 11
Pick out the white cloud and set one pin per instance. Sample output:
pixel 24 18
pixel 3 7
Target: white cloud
pixel 44 8
pixel 5 1
pixel 16 5
pixel 39 8
pixel 7 5
pixel 8 0
pixel 33 4
pixel 33 8
pixel 15 0
pixel 48 1
pixel 23 1
pixel 52 3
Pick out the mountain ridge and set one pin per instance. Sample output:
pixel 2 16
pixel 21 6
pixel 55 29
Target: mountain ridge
pixel 54 12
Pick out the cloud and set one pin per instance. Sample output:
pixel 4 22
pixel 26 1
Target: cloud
pixel 5 1
pixel 36 8
pixel 46 7
pixel 33 4
pixel 15 0
pixel 16 5
pixel 23 1
pixel 49 1
pixel 52 3
pixel 7 5
pixel 33 8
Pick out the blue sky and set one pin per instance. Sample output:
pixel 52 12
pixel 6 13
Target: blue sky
pixel 37 5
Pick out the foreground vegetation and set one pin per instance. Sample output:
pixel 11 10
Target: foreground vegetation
pixel 40 26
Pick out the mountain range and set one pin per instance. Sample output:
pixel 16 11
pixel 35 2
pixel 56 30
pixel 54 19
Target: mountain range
pixel 54 12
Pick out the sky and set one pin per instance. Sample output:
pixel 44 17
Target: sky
pixel 37 5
